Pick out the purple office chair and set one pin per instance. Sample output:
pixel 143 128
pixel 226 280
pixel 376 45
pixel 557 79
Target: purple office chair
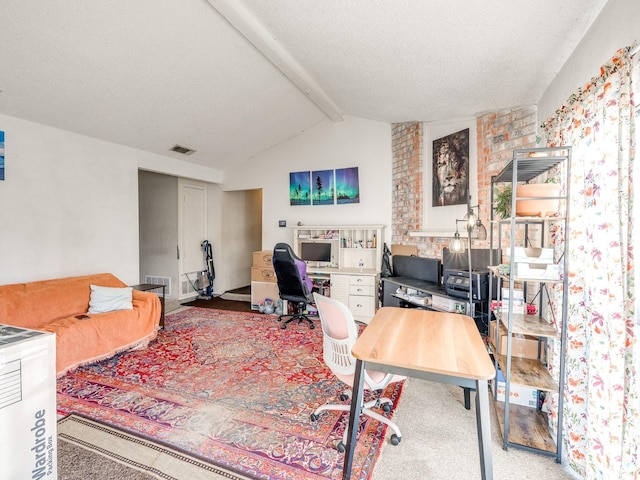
pixel 293 284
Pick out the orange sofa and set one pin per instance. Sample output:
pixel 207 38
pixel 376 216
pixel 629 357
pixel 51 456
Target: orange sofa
pixel 54 305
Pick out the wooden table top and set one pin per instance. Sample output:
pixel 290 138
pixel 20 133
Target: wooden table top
pixel 429 341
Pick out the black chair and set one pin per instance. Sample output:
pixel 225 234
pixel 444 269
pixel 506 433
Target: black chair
pixel 293 284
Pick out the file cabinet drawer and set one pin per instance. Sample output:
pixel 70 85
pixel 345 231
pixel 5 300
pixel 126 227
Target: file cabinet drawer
pixel 367 290
pixel 362 307
pixel 362 280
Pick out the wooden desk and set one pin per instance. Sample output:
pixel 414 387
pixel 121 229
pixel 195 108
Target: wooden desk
pixel 438 346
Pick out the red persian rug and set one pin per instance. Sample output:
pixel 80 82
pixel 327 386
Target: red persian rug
pixel 233 389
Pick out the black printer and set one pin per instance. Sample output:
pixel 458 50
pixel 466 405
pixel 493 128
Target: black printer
pixel 456 284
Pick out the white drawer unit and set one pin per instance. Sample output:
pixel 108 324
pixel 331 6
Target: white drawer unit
pixel 356 291
pixel 362 307
pixel 362 296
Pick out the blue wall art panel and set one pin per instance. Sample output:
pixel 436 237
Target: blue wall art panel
pixel 322 187
pixel 347 185
pixel 299 188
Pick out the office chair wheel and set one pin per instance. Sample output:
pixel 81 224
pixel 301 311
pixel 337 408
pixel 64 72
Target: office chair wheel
pixel 395 439
pixel 312 326
pixel 341 448
pixel 386 407
pixel 343 397
pixel 314 417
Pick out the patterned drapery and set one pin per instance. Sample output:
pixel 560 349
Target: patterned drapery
pixel 602 402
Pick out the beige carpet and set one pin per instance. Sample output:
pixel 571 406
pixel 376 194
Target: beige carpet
pixel 88 449
pixel 439 441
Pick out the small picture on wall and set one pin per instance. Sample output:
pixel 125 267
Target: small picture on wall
pixel 347 185
pixel 299 188
pixel 322 187
pixel 1 155
pixel 451 169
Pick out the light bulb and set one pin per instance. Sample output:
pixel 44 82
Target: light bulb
pixel 456 245
pixel 471 219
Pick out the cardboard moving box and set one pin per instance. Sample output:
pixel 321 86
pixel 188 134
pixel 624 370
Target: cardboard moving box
pixel 518 394
pixel 263 258
pixel 524 346
pixel 28 403
pixel 261 274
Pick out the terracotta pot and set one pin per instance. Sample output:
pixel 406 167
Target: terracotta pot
pixel 538 208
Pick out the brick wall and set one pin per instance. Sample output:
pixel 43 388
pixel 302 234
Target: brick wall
pixel 407 192
pixel 498 133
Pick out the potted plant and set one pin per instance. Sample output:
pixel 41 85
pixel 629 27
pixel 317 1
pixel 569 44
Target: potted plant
pixel 502 203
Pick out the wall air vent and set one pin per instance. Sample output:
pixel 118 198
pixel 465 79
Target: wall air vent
pixel 182 150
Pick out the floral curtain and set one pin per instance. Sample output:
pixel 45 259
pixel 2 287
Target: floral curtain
pixel 601 426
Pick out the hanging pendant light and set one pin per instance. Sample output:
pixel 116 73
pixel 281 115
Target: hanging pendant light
pixel 456 245
pixel 480 231
pixel 471 218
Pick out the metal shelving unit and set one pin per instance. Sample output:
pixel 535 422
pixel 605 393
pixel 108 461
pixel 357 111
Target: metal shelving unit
pixel 528 427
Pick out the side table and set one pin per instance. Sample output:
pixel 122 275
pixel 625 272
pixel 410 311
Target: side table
pixel 145 287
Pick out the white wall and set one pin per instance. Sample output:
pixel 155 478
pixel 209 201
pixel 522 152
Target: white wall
pixel 355 142
pixel 617 26
pixel 69 204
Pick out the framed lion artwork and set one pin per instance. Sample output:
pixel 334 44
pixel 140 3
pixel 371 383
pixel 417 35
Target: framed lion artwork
pixel 451 169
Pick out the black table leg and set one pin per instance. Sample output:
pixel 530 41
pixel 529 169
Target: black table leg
pixel 354 418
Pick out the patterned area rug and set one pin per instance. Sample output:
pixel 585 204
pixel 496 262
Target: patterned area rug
pixel 230 388
pixel 90 449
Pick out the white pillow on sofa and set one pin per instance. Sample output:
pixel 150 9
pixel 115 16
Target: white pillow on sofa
pixel 108 299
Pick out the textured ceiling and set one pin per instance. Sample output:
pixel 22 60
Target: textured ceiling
pixel 231 78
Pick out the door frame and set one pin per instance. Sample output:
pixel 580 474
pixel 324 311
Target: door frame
pixel 186 279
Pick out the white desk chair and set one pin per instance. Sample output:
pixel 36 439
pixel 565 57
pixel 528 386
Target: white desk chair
pixel 340 332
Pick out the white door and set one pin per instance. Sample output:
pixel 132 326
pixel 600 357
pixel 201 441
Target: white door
pixel 192 231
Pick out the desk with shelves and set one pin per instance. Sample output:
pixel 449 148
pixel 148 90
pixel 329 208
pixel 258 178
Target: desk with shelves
pixel 356 255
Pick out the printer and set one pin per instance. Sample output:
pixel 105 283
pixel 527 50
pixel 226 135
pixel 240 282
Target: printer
pixel 456 284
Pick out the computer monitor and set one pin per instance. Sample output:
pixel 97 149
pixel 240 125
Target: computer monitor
pixel 315 252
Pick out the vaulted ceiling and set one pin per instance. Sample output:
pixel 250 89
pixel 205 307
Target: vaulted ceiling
pixel 231 78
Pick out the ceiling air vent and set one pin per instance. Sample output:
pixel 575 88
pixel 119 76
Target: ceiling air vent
pixel 182 150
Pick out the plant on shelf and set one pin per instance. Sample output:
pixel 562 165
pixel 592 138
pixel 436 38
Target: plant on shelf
pixel 502 202
pixel 540 207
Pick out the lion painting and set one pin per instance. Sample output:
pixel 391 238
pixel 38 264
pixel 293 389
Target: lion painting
pixel 451 169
